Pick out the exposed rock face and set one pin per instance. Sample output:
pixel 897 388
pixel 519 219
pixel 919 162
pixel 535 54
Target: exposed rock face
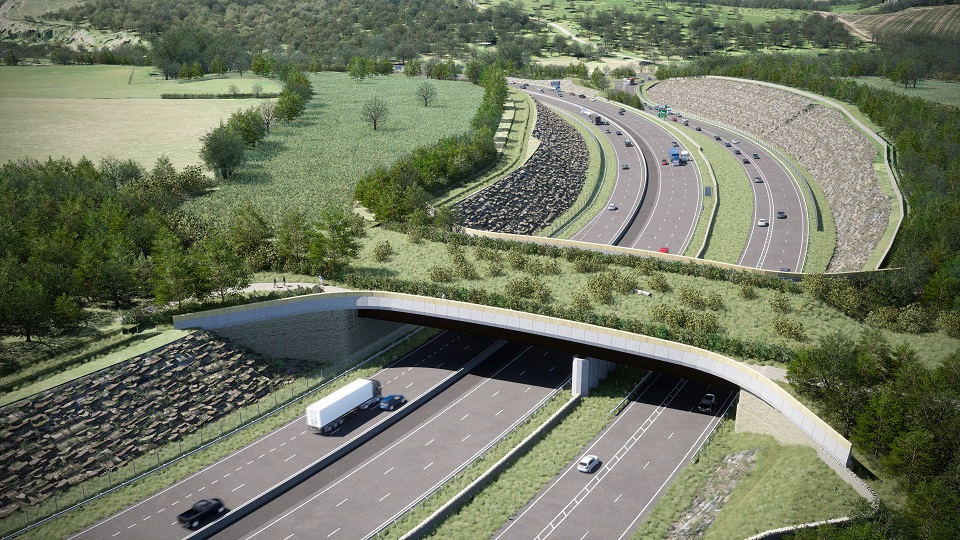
pixel 839 157
pixel 102 421
pixel 547 185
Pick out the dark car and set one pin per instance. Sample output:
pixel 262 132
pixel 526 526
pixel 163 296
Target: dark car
pixel 745 160
pixel 756 156
pixel 781 214
pixel 619 132
pixel 698 128
pixel 728 145
pixel 391 402
pixel 582 96
pixel 737 151
pixel 706 404
pixel 201 511
pixel 716 137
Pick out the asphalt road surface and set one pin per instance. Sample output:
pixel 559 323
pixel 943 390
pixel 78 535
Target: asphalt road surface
pixel 368 489
pixel 641 452
pixel 657 205
pixel 245 474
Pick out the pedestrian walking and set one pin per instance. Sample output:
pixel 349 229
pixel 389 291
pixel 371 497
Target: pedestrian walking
pixel 274 283
pixel 284 282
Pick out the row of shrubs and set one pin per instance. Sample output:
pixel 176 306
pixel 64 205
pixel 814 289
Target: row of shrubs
pixel 238 95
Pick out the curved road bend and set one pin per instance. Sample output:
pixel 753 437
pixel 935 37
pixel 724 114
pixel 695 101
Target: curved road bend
pixel 243 475
pixel 641 452
pixel 366 490
pixel 668 214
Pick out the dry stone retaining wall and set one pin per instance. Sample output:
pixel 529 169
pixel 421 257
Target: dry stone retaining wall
pixel 530 198
pixel 839 157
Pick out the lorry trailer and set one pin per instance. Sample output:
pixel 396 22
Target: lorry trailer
pixel 675 156
pixel 330 412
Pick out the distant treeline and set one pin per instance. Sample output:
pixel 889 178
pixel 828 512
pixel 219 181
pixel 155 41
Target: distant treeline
pixel 900 5
pixel 125 54
pixel 801 5
pixel 926 136
pixel 232 95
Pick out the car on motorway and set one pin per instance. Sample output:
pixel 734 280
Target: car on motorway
pixel 784 269
pixel 727 144
pixel 664 250
pixel 756 156
pixel 588 463
pixel 627 142
pixel 737 151
pixel 391 402
pixel 626 166
pixel 674 144
pixel 746 161
pixel 762 222
pixel 716 137
pixel 706 404
pixel 757 180
pixel 735 141
pixel 663 161
pixel 622 111
pixel 611 206
pixel 201 511
pixel 698 128
pixel 781 214
pixel 619 132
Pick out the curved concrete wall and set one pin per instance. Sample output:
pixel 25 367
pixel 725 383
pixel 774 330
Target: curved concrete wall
pixel 669 352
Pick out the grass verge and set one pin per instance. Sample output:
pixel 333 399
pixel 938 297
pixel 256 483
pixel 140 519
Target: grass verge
pixel 788 485
pixel 490 508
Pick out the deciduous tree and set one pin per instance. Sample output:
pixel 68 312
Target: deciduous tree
pixel 374 111
pixel 222 150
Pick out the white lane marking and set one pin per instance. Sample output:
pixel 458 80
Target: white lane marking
pixel 409 385
pixel 343 501
pixel 146 518
pixel 388 470
pixel 384 497
pixel 584 535
pixel 428 466
pixel 464 417
pixel 292 438
pixel 465 438
pixel 495 393
pixel 116 533
pixel 226 475
pixel 289 537
pixel 238 468
pixel 249 462
pixel 203 488
pixel 618 498
pixel 302 432
pixel 521 373
pixel 333 533
pixel 271 450
pixel 551 369
pixel 430 441
pixel 283 443
pixel 132 526
pixel 289 458
pixel 162 509
pixel 238 487
pixel 261 455
pixel 214 482
pixel 527 390
pixel 498 412
pixel 188 496
pixel 670 437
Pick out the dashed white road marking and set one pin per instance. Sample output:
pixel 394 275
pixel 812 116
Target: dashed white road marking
pixel 238 487
pixel 333 533
pixel 388 470
pixel 384 497
pixel 428 465
pixel 289 458
pixel 343 501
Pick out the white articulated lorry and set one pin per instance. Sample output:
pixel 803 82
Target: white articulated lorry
pixel 328 413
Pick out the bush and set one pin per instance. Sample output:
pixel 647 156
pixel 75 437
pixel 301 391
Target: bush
pixel 659 283
pixel 581 302
pixel 883 317
pixel 789 328
pixel 690 297
pixel 382 251
pixel 487 254
pixel 528 287
pixel 586 264
pixel 747 291
pixel 516 259
pixel 949 322
pixel 706 323
pixel 715 301
pixel 914 319
pixel 780 303
pixel 495 269
pixel 441 274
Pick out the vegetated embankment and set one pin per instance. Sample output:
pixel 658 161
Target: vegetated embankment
pixel 838 156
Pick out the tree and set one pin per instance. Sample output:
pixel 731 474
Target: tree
pixel 413 68
pixel 599 80
pixel 249 124
pixel 249 230
pixel 357 68
pixel 268 111
pixel 293 241
pixel 426 93
pixel 289 106
pixel 334 241
pixel 374 111
pixel 218 66
pixel 222 150
pixel 224 269
pixel 175 273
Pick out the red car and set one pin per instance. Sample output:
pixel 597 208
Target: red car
pixel 664 250
pixel 663 161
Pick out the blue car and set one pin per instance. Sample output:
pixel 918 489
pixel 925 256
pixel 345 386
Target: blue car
pixel 392 401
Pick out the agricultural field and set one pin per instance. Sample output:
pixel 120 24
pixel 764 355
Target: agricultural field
pixel 319 158
pixel 944 92
pixel 99 111
pixel 20 20
pixel 942 21
pixel 739 318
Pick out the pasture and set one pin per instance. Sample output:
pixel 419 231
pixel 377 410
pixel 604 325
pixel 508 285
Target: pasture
pixel 944 92
pixel 99 111
pixel 942 21
pixel 318 158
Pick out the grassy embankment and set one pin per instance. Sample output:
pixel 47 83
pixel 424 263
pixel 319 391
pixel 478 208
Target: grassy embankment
pixel 100 111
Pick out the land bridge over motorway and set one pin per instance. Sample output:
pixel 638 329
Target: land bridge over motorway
pixel 582 339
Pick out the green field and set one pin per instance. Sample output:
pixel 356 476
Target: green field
pixel 944 92
pixel 99 111
pixel 745 319
pixel 319 158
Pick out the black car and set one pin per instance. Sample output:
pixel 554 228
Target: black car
pixel 391 402
pixel 781 214
pixel 737 151
pixel 728 145
pixel 698 128
pixel 756 156
pixel 716 137
pixel 200 512
pixel 745 160
pixel 706 404
pixel 582 96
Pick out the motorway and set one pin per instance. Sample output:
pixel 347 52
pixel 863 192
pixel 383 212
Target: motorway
pixel 366 491
pixel 641 452
pixel 658 205
pixel 245 474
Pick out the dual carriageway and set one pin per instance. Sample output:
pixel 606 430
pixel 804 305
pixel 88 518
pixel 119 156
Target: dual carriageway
pixel 425 443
